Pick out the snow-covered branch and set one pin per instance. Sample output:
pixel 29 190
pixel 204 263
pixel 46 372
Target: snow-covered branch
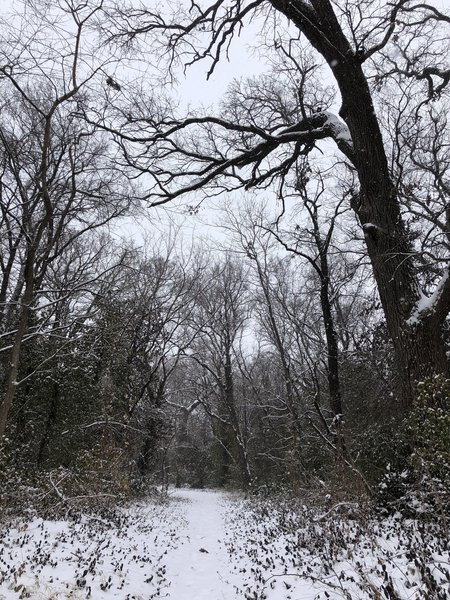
pixel 437 305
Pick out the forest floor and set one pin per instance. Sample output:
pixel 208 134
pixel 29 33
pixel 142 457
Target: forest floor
pixel 209 545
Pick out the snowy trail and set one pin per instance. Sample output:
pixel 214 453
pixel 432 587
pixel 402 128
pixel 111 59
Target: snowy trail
pixel 205 545
pixel 199 567
pixel 175 550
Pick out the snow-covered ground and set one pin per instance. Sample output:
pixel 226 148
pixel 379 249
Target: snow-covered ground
pixel 200 568
pixel 207 545
pixel 90 557
pixel 172 550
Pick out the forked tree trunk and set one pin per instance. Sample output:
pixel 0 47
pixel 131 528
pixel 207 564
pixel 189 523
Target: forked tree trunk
pixel 420 349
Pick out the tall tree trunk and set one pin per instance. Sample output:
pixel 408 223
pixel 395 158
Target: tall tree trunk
pixel 377 205
pixel 152 429
pixel 14 359
pixel 222 434
pixel 292 395
pixel 334 383
pixel 241 451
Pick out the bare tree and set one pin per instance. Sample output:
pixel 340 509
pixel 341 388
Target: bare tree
pixel 190 154
pixel 249 230
pixel 314 245
pixel 220 317
pixel 301 330
pixel 57 178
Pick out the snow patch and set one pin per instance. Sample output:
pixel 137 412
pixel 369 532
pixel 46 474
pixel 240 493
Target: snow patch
pixel 427 304
pixel 339 129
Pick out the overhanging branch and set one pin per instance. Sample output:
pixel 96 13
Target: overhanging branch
pixel 178 166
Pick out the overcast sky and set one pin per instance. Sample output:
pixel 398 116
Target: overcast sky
pixel 194 89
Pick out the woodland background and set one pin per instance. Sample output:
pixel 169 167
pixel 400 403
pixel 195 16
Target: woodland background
pixel 308 349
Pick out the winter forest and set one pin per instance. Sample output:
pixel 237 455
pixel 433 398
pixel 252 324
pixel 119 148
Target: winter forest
pixel 224 299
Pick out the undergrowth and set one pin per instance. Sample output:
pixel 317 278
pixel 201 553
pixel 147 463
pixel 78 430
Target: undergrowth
pixel 347 549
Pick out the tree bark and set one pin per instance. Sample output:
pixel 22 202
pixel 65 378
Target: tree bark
pixel 334 384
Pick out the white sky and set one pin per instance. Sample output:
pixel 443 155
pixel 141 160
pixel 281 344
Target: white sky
pixel 194 89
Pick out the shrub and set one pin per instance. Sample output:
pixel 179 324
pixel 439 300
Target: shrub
pixel 421 484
